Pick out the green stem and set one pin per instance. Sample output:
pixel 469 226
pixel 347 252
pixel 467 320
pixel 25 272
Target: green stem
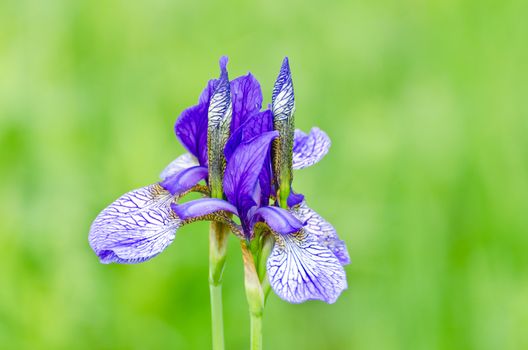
pixel 216 317
pixel 265 251
pixel 217 254
pixel 266 287
pixel 256 331
pixel 255 297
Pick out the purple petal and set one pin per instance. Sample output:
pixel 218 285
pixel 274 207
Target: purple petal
pixel 309 149
pixel 191 126
pixel 255 125
pixel 201 207
pixel 278 219
pixel 223 63
pixel 184 180
pixel 294 199
pixel 191 130
pixel 282 100
pixel 184 161
pixel 246 97
pixel 243 170
pixel 265 181
pixel 244 167
pixel 300 269
pixel 136 227
pixel 322 230
pixel 206 94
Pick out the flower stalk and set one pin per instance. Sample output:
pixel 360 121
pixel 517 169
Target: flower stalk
pixel 255 297
pixel 267 246
pixel 218 235
pixel 256 332
pixel 246 157
pixel 219 118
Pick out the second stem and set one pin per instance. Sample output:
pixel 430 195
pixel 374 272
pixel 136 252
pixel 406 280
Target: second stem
pixel 218 235
pixel 255 297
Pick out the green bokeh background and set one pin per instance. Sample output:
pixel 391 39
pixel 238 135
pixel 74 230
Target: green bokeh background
pixel 426 181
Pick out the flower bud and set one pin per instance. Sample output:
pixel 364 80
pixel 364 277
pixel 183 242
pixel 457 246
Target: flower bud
pixel 283 108
pixel 219 118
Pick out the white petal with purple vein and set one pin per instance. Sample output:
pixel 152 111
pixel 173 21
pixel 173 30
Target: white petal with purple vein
pixel 136 227
pixel 325 233
pixel 300 269
pixel 283 99
pixel 309 149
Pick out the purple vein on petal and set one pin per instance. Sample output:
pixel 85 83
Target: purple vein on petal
pixel 136 227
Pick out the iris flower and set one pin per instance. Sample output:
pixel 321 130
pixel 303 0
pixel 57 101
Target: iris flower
pixel 241 159
pixel 307 258
pixel 140 224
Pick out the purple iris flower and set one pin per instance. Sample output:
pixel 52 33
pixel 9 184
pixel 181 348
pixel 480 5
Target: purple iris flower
pixel 140 224
pixel 307 259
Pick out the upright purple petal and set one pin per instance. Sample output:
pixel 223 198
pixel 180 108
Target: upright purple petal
pixel 322 230
pixel 309 149
pixel 300 269
pixel 191 126
pixel 265 181
pixel 255 125
pixel 136 227
pixel 205 96
pixel 246 98
pixel 278 219
pixel 184 180
pixel 243 170
pixel 202 207
pixel 183 162
pixel 191 130
pixel 294 199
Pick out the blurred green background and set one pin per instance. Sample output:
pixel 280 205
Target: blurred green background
pixel 426 181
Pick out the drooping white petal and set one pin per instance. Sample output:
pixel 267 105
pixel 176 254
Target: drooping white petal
pixel 184 161
pixel 300 269
pixel 136 227
pixel 309 149
pixel 325 233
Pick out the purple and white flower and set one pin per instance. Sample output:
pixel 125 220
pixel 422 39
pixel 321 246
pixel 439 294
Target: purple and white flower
pixel 307 258
pixel 306 261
